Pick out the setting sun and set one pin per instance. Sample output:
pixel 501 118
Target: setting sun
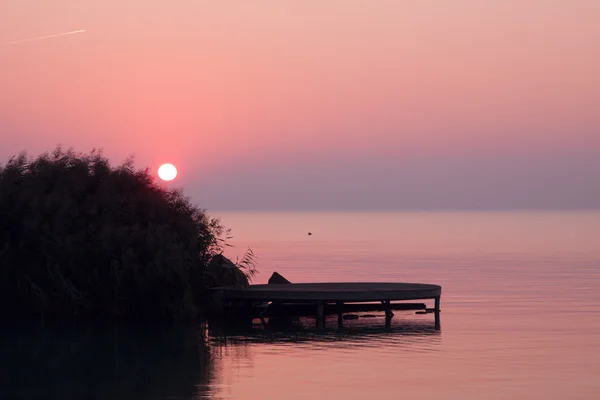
pixel 167 172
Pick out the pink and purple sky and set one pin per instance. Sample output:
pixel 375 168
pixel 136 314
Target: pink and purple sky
pixel 330 104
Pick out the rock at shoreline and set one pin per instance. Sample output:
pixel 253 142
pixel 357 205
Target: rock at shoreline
pixel 223 272
pixel 277 279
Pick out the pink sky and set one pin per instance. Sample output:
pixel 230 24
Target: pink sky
pixel 477 101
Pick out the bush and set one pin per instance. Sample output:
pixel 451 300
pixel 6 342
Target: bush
pixel 80 239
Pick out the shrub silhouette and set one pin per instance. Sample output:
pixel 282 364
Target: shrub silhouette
pixel 80 239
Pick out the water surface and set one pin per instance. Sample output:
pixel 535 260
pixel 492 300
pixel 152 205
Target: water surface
pixel 520 318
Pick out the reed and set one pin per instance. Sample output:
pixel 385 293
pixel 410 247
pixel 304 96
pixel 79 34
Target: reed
pixel 81 239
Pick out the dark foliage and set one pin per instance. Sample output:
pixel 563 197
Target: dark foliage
pixel 80 239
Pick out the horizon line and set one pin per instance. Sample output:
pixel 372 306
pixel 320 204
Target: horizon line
pixel 399 210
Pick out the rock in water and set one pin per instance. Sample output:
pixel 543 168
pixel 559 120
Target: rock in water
pixel 222 271
pixel 277 279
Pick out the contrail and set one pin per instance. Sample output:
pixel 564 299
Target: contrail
pixel 42 37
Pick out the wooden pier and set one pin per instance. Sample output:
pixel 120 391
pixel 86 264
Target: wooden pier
pixel 321 299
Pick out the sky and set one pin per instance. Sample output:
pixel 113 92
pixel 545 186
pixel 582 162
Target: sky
pixel 318 105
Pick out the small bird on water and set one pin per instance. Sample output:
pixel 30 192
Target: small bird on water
pixel 309 233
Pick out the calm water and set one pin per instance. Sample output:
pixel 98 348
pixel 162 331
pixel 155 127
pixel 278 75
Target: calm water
pixel 520 319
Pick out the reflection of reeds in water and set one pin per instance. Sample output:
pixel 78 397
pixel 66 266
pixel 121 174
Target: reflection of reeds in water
pixel 104 363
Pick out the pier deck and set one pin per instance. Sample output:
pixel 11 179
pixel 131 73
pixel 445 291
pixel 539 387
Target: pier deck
pixel 344 295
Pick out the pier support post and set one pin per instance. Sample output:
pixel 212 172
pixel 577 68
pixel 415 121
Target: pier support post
pixel 340 304
pixel 320 315
pixel 436 310
pixel 388 313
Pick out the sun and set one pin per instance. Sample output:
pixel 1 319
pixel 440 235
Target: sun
pixel 167 172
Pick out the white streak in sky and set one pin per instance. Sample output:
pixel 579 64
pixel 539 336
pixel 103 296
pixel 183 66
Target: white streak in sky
pixel 42 37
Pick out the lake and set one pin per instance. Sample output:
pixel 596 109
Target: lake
pixel 520 318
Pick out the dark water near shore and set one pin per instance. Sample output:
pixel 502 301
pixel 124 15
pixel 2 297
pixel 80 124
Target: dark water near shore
pixel 520 319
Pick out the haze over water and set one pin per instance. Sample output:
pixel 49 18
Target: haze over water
pixel 520 318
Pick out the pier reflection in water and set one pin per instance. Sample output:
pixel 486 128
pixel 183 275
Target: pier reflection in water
pixel 302 360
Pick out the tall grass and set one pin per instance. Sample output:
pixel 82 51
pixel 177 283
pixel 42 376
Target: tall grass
pixel 82 239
